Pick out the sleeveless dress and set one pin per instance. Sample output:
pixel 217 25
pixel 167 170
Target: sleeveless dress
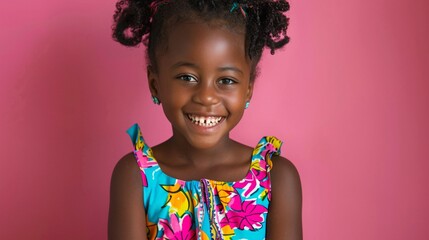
pixel 205 209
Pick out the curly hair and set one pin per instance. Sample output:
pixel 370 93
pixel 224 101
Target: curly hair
pixel 144 21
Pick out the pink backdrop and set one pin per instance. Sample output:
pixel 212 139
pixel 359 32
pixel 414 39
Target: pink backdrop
pixel 349 95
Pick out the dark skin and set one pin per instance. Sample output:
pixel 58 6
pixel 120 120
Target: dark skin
pixel 203 72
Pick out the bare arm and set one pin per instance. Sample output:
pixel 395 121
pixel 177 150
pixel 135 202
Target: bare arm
pixel 284 215
pixel 127 218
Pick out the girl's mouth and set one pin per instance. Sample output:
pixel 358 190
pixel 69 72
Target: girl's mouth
pixel 205 121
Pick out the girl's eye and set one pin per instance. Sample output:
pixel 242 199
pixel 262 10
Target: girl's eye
pixel 187 78
pixel 227 81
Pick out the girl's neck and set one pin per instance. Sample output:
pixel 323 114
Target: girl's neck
pixel 184 153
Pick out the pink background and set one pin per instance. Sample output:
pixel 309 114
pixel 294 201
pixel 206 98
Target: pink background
pixel 349 96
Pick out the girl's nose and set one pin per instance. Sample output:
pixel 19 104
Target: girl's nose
pixel 206 94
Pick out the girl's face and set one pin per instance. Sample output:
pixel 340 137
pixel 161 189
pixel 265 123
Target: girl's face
pixel 202 81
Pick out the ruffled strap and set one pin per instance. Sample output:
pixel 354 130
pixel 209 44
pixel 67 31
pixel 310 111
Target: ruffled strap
pixel 262 164
pixel 142 152
pixel 136 136
pixel 264 151
pixel 259 175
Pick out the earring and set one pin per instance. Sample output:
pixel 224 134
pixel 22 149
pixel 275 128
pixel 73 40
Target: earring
pixel 155 100
pixel 247 105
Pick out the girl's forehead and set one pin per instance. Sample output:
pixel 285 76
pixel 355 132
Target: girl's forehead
pixel 204 40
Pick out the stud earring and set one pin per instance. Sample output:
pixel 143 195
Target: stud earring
pixel 155 100
pixel 247 105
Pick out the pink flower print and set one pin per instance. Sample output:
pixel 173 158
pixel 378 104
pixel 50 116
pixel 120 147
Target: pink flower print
pixel 261 174
pixel 269 148
pixel 144 162
pixel 249 184
pixel 177 228
pixel 258 177
pixel 248 215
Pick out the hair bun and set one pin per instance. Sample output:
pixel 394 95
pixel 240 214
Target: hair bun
pixel 131 21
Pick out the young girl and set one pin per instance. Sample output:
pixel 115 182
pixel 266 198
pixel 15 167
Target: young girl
pixel 200 184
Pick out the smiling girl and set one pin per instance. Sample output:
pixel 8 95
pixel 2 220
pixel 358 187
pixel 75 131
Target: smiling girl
pixel 199 183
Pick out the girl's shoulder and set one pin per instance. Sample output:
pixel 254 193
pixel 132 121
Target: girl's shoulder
pixel 126 171
pixel 284 168
pixel 286 201
pixel 126 164
pixel 125 200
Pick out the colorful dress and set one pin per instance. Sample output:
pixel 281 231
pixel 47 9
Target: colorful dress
pixel 206 209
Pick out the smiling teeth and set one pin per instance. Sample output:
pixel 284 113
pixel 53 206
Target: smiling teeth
pixel 204 121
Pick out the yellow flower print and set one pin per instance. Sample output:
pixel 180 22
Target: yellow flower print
pixel 227 232
pixel 258 149
pixel 256 165
pixel 139 142
pixel 275 142
pixel 264 194
pixel 178 200
pixel 225 193
pixel 204 236
pixel 195 199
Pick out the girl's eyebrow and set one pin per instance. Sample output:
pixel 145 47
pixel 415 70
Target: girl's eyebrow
pixel 184 64
pixel 193 65
pixel 230 68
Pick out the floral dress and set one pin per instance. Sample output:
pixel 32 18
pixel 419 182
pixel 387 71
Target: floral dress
pixel 206 209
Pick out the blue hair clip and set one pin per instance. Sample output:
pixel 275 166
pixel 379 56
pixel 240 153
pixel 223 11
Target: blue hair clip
pixel 236 5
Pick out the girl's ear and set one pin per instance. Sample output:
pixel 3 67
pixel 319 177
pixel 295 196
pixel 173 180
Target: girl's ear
pixel 152 78
pixel 249 92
